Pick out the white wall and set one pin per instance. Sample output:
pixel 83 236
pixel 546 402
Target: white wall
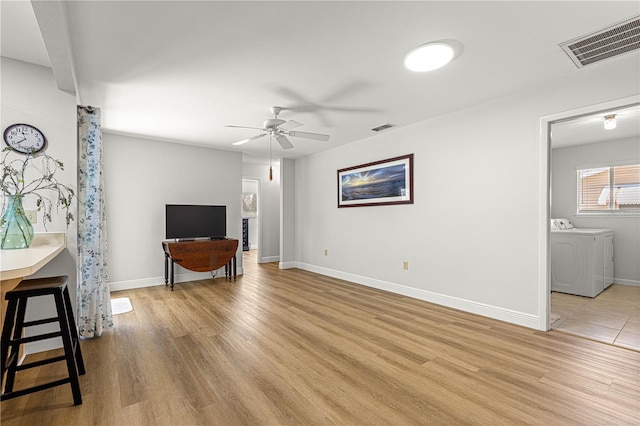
pixel 288 219
pixel 141 177
pixel 472 238
pixel 269 208
pixel 30 95
pixel 626 229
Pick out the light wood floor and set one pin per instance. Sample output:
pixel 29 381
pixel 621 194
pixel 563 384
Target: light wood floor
pixel 291 347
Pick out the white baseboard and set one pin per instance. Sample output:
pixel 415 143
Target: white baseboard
pixel 131 284
pixel 154 281
pixel 507 315
pixel 622 281
pixel 269 259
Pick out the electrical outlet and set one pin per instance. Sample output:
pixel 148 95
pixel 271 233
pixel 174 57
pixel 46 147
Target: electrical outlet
pixel 326 252
pixel 405 265
pixel 32 215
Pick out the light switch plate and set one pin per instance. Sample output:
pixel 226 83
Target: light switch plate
pixel 32 215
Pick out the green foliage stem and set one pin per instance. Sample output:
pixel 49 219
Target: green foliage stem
pixel 46 188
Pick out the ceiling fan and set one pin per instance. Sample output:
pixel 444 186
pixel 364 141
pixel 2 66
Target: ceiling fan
pixel 280 129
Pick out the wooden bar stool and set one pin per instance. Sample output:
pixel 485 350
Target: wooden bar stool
pixel 15 323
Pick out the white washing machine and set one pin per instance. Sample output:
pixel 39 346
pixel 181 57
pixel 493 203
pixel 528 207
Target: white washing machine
pixel 581 259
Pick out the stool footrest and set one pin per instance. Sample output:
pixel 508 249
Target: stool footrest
pixel 26 391
pixel 40 322
pixel 41 362
pixel 37 338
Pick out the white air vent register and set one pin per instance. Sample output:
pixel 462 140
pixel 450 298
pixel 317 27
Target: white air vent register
pixel 614 40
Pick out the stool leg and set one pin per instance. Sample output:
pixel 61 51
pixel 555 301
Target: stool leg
pixel 74 331
pixel 68 349
pixel 7 328
pixel 15 345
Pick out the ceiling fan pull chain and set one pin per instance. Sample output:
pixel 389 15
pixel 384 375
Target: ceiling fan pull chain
pixel 270 168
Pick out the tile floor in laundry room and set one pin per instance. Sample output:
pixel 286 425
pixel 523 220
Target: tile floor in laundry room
pixel 611 317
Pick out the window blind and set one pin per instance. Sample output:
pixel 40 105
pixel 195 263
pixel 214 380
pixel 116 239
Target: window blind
pixel 609 189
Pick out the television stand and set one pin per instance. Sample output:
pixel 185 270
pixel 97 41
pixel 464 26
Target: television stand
pixel 200 256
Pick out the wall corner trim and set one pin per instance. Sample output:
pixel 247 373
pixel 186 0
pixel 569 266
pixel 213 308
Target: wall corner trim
pixel 288 265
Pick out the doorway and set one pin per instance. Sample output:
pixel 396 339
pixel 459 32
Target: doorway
pixel 577 312
pixel 251 223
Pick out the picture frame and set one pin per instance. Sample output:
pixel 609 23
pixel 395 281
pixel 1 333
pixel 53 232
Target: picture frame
pixel 385 182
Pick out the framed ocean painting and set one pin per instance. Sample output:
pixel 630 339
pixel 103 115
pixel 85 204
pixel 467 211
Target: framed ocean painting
pixel 379 183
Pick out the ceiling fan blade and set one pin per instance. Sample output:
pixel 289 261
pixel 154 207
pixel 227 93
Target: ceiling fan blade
pixel 291 124
pixel 284 142
pixel 353 109
pixel 243 141
pixel 307 135
pixel 245 127
pixel 347 91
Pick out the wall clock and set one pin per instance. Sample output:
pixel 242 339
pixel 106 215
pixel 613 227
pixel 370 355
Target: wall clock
pixel 25 138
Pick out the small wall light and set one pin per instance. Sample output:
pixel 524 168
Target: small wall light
pixel 610 121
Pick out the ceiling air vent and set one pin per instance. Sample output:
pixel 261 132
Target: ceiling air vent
pixel 383 127
pixel 614 40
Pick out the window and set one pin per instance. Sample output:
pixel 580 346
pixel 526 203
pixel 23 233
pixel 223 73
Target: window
pixel 609 190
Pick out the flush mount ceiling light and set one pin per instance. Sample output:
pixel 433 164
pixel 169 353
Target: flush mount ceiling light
pixel 610 121
pixel 429 56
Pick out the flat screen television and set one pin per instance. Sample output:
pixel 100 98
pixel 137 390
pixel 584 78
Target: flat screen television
pixel 194 221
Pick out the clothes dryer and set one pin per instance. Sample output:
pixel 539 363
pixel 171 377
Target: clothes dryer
pixel 581 260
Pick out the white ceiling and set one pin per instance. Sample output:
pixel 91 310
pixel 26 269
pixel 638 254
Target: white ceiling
pixel 181 71
pixel 590 129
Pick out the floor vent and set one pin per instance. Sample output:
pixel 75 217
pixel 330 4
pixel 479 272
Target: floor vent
pixel 383 127
pixel 615 40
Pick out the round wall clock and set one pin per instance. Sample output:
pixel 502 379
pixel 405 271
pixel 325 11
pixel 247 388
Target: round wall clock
pixel 25 138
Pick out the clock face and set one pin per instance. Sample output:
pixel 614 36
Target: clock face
pixel 25 138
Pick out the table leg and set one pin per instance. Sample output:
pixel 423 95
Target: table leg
pixel 166 269
pixel 171 266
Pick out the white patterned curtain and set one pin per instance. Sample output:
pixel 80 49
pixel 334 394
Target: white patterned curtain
pixel 94 301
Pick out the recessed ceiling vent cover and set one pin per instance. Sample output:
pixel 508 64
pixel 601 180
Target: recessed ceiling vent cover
pixel 383 127
pixel 615 40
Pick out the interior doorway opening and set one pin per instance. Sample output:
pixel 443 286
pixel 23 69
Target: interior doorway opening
pixel 251 217
pixel 549 126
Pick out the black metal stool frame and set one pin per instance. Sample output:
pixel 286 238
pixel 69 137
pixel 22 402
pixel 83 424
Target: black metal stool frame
pixel 10 346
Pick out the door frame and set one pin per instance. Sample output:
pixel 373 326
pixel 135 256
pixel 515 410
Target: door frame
pixel 544 253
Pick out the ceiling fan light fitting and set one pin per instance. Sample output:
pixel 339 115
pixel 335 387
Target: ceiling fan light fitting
pixel 429 56
pixel 272 123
